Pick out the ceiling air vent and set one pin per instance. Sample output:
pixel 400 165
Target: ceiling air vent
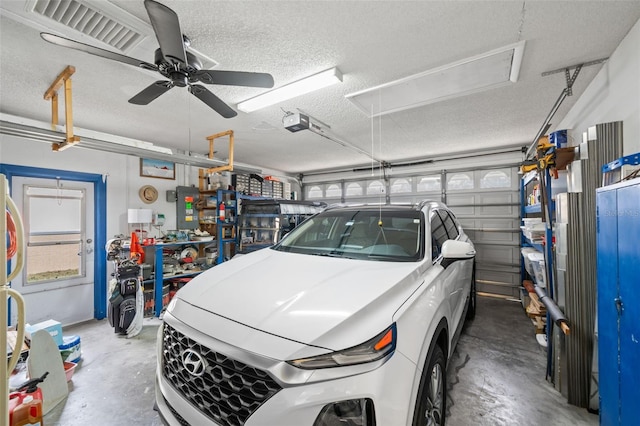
pixel 89 20
pixel 99 23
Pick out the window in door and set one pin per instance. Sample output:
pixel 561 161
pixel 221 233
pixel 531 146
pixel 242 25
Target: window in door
pixel 54 233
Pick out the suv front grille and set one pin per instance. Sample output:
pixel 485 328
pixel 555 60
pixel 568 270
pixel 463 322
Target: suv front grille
pixel 225 390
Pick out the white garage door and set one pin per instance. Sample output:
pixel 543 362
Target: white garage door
pixel 486 201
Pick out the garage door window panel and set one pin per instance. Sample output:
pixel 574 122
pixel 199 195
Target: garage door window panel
pixel 333 191
pixel 315 192
pixel 401 186
pixel 375 187
pixel 495 179
pixel 429 183
pixel 460 181
pixel 353 189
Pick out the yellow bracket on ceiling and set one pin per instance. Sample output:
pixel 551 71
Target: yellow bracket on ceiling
pixel 64 78
pixel 229 166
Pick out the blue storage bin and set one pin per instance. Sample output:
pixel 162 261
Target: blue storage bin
pixel 70 349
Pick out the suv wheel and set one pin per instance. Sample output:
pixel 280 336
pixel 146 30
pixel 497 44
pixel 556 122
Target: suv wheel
pixel 431 401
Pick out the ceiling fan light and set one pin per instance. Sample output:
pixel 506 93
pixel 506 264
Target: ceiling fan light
pixel 300 87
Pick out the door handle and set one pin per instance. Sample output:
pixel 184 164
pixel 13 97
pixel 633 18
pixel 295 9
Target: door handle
pixel 619 305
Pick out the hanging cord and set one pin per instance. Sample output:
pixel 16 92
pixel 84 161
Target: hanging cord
pixel 380 164
pixel 58 191
pixel 372 139
pixel 188 167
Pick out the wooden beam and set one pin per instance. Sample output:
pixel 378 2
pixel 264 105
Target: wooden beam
pixel 64 78
pixel 68 110
pixel 59 81
pixel 211 139
pixel 54 111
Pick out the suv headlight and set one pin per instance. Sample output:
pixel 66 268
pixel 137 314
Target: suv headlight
pixel 372 350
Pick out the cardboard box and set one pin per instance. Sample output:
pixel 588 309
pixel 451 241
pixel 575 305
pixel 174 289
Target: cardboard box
pixel 53 327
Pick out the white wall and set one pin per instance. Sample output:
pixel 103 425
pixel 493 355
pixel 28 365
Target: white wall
pixel 122 173
pixel 613 95
pixel 23 152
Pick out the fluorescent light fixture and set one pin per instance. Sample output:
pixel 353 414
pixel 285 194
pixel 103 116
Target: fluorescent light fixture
pixel 306 85
pixel 489 70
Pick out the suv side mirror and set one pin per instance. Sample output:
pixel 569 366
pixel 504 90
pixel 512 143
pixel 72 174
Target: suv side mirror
pixel 453 250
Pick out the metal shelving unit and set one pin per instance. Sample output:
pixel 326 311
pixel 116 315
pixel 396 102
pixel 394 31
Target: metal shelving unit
pixel 226 230
pixel 263 222
pixel 158 269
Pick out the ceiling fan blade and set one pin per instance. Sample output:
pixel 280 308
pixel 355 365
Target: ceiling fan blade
pixel 167 28
pixel 212 101
pixel 65 42
pixel 234 78
pixel 151 92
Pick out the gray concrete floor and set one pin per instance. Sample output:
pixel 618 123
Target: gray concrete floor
pixel 495 377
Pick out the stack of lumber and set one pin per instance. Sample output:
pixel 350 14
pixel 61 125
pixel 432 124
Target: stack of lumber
pixel 535 309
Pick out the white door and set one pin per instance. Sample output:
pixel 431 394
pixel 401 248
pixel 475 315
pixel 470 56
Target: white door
pixel 57 280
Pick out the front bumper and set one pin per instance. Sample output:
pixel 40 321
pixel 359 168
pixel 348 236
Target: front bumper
pixel 303 394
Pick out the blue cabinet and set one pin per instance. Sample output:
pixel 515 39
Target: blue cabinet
pixel 618 248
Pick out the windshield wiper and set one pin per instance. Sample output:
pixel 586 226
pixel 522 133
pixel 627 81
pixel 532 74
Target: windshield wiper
pixel 334 253
pixel 328 254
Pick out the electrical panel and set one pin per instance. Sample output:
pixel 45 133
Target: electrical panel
pixel 186 213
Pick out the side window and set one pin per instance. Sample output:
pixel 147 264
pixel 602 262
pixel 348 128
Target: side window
pixel 450 224
pixel 438 235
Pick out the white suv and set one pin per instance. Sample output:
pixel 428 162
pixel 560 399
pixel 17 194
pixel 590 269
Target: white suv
pixel 349 320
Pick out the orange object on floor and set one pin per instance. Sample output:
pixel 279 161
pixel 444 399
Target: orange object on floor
pixel 136 250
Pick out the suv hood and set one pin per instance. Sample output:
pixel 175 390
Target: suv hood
pixel 328 302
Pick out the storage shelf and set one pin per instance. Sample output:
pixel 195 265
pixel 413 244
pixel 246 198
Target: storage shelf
pixel 536 246
pixel 259 228
pixel 264 220
pixel 534 208
pixel 543 178
pixel 529 177
pixel 160 277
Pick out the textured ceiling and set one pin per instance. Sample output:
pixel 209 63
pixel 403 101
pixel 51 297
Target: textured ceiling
pixel 371 42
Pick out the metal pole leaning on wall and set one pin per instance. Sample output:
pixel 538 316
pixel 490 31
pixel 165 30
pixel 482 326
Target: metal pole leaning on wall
pixel 554 311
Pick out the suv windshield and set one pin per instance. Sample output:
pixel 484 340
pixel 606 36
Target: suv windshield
pixel 387 235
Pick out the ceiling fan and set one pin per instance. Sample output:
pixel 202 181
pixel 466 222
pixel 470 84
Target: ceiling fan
pixel 174 62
